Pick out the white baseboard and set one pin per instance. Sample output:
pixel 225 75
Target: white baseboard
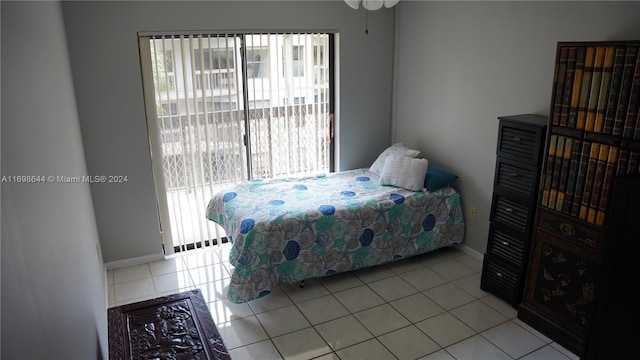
pixel 118 264
pixel 471 252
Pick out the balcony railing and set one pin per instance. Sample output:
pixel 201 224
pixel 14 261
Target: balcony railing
pixel 209 150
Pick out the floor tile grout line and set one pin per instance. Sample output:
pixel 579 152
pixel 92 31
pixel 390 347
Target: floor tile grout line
pixel 367 283
pixel 305 317
pixel 411 323
pixel 376 337
pixel 313 326
pixel 501 349
pixel 353 313
pixel 515 323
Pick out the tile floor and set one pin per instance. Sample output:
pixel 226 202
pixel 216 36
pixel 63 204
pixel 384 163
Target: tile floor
pixel 426 307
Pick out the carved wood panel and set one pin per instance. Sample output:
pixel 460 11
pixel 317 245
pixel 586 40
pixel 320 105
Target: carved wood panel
pixel 174 327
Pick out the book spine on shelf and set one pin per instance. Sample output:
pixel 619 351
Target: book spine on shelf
pixel 559 88
pixel 625 89
pixel 601 166
pixel 603 96
pixel 564 173
pixel 577 86
pixel 583 167
pixel 601 215
pixel 614 89
pixel 548 174
pixel 572 177
pixel 636 132
pixel 585 87
pixel 589 180
pixel 634 102
pixel 557 165
pixel 568 86
pixel 632 165
pixel 596 78
pixel 623 161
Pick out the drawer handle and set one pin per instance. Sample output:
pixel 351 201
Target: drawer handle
pixel 567 229
pixel 506 243
pixel 514 175
pixel 515 138
pixel 500 275
pixel 509 210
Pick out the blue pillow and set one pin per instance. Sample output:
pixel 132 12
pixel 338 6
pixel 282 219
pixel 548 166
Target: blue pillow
pixel 436 178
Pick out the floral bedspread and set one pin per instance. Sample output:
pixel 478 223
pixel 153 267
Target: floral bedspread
pixel 290 229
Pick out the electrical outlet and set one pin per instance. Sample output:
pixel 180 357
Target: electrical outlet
pixel 472 214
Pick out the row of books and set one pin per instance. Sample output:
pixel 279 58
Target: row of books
pixel 597 89
pixel 578 176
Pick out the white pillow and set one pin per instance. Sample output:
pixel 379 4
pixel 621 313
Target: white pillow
pixel 404 172
pixel 395 149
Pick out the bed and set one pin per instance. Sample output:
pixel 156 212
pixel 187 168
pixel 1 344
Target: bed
pixel 287 230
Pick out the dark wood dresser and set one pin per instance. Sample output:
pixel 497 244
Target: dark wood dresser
pixel 521 140
pixel 593 137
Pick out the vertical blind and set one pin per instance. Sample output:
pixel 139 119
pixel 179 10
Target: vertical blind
pixel 223 109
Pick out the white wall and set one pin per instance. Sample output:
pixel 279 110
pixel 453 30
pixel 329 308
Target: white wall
pixel 460 65
pixel 103 46
pixel 53 280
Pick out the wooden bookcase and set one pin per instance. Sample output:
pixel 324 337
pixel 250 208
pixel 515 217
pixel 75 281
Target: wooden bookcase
pixel 593 136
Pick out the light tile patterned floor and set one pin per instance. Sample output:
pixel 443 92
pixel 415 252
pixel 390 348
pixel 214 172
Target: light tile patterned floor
pixel 426 307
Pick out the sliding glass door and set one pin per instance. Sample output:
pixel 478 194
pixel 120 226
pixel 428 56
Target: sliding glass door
pixel 225 108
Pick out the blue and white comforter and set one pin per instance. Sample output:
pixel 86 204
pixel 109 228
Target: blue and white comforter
pixel 287 230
